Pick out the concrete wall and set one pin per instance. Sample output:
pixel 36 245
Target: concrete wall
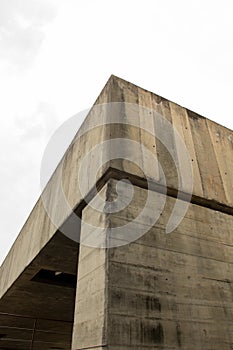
pixel 160 291
pixel 163 291
pixel 210 145
pixel 156 291
pixel 205 140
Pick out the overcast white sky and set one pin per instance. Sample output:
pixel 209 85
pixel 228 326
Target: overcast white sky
pixel 56 56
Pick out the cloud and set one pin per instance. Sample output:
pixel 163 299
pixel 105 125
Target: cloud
pixel 23 142
pixel 21 29
pixel 39 124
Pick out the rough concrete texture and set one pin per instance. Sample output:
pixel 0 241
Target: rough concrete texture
pixel 158 291
pixel 163 291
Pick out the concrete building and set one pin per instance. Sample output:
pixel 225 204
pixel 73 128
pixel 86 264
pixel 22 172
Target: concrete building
pixel 130 246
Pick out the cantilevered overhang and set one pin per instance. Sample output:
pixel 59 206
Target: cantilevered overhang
pixel 35 305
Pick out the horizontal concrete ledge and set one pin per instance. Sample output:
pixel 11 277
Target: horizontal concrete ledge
pixel 138 181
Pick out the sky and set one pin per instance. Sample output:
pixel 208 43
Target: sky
pixel 56 56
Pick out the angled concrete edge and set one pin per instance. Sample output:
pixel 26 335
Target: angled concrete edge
pixel 205 141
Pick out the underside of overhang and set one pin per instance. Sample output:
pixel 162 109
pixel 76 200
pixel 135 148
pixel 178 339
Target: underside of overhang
pixel 37 311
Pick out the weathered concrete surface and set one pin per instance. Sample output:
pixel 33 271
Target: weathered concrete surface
pixel 205 140
pixel 199 135
pixel 162 291
pixel 147 315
